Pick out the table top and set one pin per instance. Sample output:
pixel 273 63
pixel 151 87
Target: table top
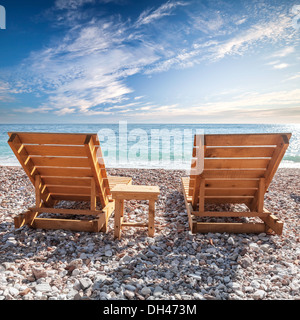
pixel 122 191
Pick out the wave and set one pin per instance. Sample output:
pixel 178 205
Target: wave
pixel 287 162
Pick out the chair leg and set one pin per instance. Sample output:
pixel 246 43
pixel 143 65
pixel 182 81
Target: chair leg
pixel 118 218
pixel 195 196
pixel 201 195
pixel 93 195
pixel 261 193
pixel 38 201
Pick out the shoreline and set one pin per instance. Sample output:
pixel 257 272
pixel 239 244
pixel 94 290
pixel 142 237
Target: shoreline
pixel 281 166
pixel 38 264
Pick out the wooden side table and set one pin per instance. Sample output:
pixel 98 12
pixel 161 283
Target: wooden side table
pixel 133 192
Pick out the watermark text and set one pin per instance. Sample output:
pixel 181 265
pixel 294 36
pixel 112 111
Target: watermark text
pixel 2 17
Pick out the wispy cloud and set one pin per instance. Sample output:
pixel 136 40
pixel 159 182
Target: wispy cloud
pixel 248 106
pixel 149 15
pixel 277 29
pixel 266 31
pixel 240 21
pixel 71 4
pixel 208 21
pixel 87 68
pixel 7 91
pixel 284 52
pixel 294 77
pixel 32 110
pixel 281 66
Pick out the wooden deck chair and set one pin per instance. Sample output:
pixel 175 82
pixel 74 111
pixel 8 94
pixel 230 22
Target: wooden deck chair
pixel 237 168
pixel 65 166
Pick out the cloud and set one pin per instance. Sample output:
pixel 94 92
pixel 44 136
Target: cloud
pixel 261 32
pixel 33 110
pixel 250 107
pixel 86 68
pixel 275 29
pixel 284 52
pixel 149 15
pixel 241 21
pixel 183 59
pixel 296 76
pixel 6 91
pixel 71 4
pixel 281 66
pixel 209 21
pixel 64 111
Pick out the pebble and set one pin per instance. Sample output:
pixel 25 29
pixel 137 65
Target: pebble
pixel 195 276
pixel 85 283
pixel 130 287
pixel 108 253
pixel 13 291
pixel 246 262
pixel 230 241
pixel 259 294
pixel 158 291
pixel 39 272
pixel 145 291
pixel 174 265
pixel 129 294
pixel 43 287
pixel 255 284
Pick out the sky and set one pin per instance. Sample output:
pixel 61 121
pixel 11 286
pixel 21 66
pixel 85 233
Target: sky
pixel 185 61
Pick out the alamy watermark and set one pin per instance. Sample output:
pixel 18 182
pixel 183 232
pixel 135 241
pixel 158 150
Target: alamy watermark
pixel 2 17
pixel 296 19
pixel 154 148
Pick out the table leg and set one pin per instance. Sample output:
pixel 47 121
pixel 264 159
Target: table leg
pixel 122 209
pixel 118 217
pixel 151 218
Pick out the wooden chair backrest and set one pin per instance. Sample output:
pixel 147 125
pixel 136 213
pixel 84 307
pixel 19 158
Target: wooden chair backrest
pixel 235 166
pixel 69 164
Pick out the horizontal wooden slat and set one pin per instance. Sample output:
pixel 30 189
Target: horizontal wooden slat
pixel 67 181
pixel 228 214
pixel 238 152
pixel 59 151
pixel 64 172
pixel 229 192
pixel 54 138
pixel 66 211
pixel 228 199
pixel 212 163
pixel 241 139
pixel 231 183
pixel 250 183
pixel 60 162
pixel 69 197
pixel 203 227
pixel 69 190
pixel 226 183
pixel 234 173
pixel 134 224
pixel 65 224
pixel 83 181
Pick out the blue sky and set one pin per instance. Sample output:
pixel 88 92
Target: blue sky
pixel 101 61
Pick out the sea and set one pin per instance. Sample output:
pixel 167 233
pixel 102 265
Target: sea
pixel 166 146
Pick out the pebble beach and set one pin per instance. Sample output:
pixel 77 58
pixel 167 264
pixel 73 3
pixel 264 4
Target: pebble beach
pixel 40 264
